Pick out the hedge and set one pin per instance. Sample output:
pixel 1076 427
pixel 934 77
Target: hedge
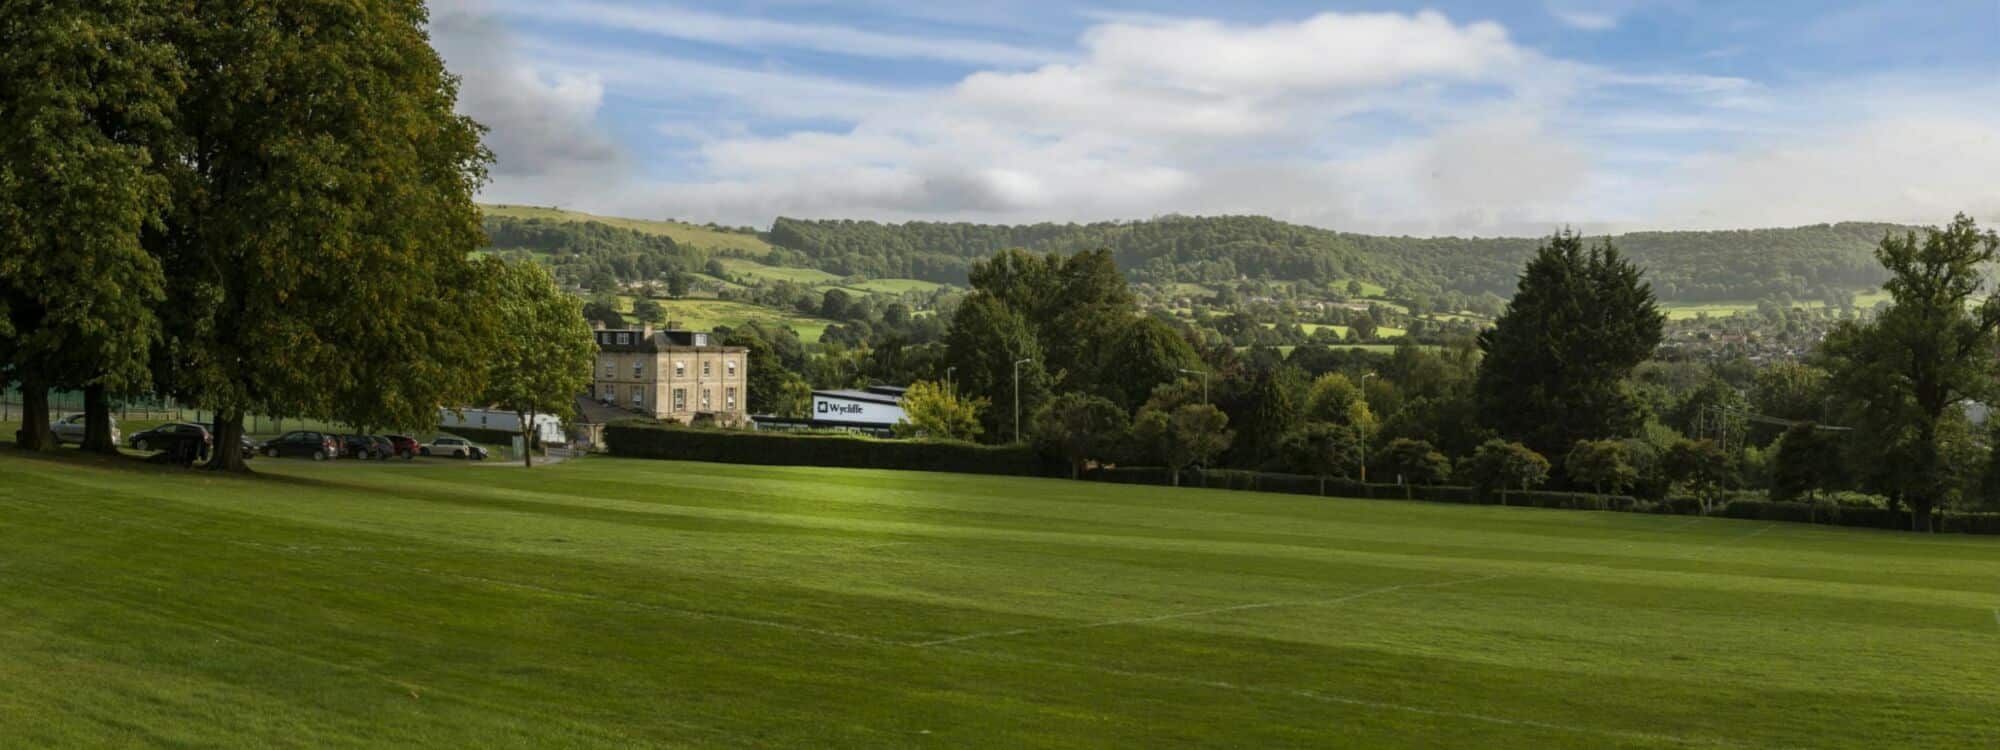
pixel 1858 516
pixel 636 439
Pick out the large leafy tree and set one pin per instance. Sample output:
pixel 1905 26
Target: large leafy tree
pixel 542 351
pixel 1190 434
pixel 1501 465
pixel 1556 360
pixel 1602 465
pixel 318 249
pixel 1080 427
pixel 87 92
pixel 1139 357
pixel 1933 349
pixel 987 337
pixel 1323 450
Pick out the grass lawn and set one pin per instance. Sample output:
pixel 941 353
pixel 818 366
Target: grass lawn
pixel 896 286
pixel 755 270
pixel 692 235
pixel 616 603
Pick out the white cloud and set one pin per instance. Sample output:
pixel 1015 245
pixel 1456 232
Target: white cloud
pixel 542 123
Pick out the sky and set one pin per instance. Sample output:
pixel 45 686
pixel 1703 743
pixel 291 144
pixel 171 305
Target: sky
pixel 1445 118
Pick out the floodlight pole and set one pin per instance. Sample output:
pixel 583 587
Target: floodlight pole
pixel 1204 381
pixel 1017 396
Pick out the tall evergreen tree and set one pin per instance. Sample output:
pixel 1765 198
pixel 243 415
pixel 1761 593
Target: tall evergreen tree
pixel 318 250
pixel 87 90
pixel 1557 359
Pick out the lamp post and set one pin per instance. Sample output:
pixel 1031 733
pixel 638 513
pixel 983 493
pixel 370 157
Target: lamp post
pixel 1204 381
pixel 1017 396
pixel 948 384
pixel 1364 438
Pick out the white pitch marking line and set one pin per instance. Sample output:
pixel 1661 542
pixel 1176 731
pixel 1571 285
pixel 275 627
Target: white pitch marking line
pixel 1200 613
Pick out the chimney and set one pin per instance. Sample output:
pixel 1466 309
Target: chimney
pixel 646 331
pixel 597 325
pixel 673 325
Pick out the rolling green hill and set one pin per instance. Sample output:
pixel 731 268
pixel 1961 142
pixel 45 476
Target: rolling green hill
pixel 626 603
pixel 683 233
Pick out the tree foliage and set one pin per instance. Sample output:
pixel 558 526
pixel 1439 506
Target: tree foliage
pixel 1323 450
pixel 1188 435
pixel 1504 466
pixel 1907 372
pixel 541 353
pixel 1079 428
pixel 1603 465
pixel 1557 359
pixel 935 410
pixel 1411 461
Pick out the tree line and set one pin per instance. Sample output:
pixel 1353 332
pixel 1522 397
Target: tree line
pixel 255 207
pixel 1801 262
pixel 1562 391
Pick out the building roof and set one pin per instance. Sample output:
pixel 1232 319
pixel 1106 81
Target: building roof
pixel 869 395
pixel 647 340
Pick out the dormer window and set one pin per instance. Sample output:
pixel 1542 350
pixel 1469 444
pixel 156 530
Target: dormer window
pixel 624 338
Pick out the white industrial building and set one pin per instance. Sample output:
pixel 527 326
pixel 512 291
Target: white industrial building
pixel 548 429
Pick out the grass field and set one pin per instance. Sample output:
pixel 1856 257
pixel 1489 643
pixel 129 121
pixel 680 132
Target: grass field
pixel 706 314
pixel 620 603
pixel 692 235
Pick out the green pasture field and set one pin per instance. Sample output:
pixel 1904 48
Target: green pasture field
pixel 625 603
pixel 706 314
pixel 692 235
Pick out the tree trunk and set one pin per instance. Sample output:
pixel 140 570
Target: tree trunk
pixel 1075 470
pixel 228 435
pixel 34 434
pixel 1920 515
pixel 97 421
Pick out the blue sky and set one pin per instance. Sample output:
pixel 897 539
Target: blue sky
pixel 1434 118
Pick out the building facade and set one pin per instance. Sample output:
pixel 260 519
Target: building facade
pixel 672 375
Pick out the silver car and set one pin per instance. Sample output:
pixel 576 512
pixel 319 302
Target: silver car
pixel 70 430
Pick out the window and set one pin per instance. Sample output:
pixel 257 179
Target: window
pixel 704 399
pixel 638 368
pixel 624 338
pixel 610 368
pixel 680 399
pixel 680 369
pixel 729 399
pixel 705 369
pixel 610 392
pixel 731 367
pixel 638 395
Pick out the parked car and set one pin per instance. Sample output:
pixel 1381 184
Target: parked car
pixel 362 447
pixel 70 429
pixel 158 438
pixel 318 446
pixel 405 445
pixel 383 449
pixel 455 447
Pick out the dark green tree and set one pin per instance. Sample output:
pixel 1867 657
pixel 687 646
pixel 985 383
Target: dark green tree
pixel 87 93
pixel 1139 357
pixel 648 310
pixel 1079 428
pixel 1412 462
pixel 1272 409
pixel 1605 466
pixel 1557 359
pixel 1701 468
pixel 987 337
pixel 1323 450
pixel 1932 350
pixel 1188 435
pixel 1504 466
pixel 1808 461
pixel 318 251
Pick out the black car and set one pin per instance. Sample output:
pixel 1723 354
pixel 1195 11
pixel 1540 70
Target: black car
pixel 317 446
pixel 167 435
pixel 362 446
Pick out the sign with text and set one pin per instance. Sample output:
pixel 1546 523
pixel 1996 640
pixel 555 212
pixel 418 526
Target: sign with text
pixel 836 409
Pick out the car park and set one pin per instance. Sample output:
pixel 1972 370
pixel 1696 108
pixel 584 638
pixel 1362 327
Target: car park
pixel 318 446
pixel 362 447
pixel 454 447
pixel 70 429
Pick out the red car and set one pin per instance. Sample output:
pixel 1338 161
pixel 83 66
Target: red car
pixel 406 446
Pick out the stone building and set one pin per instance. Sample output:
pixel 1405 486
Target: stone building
pixel 671 375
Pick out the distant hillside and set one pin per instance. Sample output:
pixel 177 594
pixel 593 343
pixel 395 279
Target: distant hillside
pixel 1694 266
pixel 685 234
